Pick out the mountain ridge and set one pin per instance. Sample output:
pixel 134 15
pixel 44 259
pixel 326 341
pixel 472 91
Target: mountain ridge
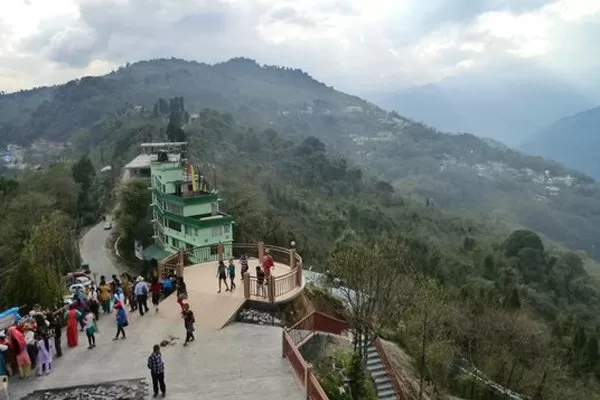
pixel 572 140
pixel 458 172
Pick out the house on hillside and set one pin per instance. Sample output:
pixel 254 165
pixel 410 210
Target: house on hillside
pixel 139 167
pixel 186 214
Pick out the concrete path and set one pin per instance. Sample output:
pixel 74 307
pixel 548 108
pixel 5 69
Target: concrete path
pixel 238 362
pixel 94 252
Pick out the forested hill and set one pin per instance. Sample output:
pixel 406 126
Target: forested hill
pixel 459 172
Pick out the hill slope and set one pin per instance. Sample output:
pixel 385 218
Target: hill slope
pixel 459 172
pixel 574 141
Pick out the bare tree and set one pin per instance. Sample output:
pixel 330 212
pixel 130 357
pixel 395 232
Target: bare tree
pixel 368 275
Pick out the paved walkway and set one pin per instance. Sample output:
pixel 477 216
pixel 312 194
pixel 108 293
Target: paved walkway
pixel 240 361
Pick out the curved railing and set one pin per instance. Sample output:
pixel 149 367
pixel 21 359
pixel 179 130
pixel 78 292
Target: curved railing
pixel 274 288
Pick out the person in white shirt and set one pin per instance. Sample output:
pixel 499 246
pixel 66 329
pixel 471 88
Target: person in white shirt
pixel 141 294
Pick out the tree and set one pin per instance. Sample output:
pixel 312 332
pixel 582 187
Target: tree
pixel 50 251
pixel 133 215
pixel 368 274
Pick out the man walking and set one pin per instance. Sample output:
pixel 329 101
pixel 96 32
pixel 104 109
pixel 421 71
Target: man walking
pixel 157 371
pixel 141 294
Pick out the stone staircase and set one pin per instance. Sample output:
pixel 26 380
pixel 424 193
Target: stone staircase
pixel 375 366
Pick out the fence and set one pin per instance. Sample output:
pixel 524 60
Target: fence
pixel 298 333
pixel 270 290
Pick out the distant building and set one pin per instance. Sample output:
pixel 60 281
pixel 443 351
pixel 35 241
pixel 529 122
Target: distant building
pixel 139 167
pixel 186 214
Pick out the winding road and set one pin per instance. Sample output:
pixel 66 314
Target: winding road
pixel 94 251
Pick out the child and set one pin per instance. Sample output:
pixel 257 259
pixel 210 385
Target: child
pixel 91 329
pixel 231 270
pixel 44 355
pixel 260 280
pixel 121 320
pixel 188 323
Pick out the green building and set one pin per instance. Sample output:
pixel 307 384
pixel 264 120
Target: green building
pixel 186 214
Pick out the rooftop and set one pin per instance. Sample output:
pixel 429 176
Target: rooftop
pixel 146 160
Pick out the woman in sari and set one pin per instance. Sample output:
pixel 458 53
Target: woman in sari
pixel 104 296
pixel 72 317
pixel 17 341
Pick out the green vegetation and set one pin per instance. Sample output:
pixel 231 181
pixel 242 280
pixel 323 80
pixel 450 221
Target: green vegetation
pixel 348 372
pixel 514 306
pixel 42 213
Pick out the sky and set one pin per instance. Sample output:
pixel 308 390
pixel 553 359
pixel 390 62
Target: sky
pixel 355 45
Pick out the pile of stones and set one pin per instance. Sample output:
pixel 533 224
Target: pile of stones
pixel 251 316
pixel 133 389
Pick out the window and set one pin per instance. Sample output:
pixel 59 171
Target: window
pixel 214 250
pixel 226 228
pixel 216 231
pixel 174 225
pixel 189 230
pixel 175 209
pixel 214 208
pixel 175 243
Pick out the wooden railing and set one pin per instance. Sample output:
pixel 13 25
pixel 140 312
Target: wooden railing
pixel 292 339
pixel 389 369
pixel 271 289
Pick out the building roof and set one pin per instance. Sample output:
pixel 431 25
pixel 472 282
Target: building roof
pixel 154 251
pixel 145 160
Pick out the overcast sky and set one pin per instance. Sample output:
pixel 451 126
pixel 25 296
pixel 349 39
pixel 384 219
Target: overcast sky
pixel 355 45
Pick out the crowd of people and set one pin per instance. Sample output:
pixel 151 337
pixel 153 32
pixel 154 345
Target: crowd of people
pixel 35 340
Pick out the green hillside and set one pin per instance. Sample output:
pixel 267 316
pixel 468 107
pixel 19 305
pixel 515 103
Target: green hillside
pixel 455 172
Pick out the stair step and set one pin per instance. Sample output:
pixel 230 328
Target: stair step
pixel 387 397
pixel 377 373
pixel 374 361
pixel 381 379
pixel 388 392
pixel 384 387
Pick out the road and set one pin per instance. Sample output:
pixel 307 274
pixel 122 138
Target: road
pixel 95 253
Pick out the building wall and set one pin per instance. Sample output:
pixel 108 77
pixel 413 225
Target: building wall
pixel 176 233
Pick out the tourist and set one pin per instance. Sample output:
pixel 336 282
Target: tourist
pixel 3 353
pixel 141 295
pixel 93 304
pixel 268 264
pixel 119 296
pixel 167 285
pixel 260 281
pixel 181 291
pixel 30 342
pixel 188 322
pixel 91 329
pixel 231 271
pixel 156 290
pixel 244 264
pixel 44 355
pixel 104 295
pixel 157 371
pixel 17 341
pixel 121 320
pixel 72 316
pixel 56 324
pixel 222 275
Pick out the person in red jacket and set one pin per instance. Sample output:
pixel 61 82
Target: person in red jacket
pixel 156 291
pixel 268 263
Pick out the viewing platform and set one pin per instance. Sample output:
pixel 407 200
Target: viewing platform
pixel 215 310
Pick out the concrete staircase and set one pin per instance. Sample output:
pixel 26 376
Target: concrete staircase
pixel 375 366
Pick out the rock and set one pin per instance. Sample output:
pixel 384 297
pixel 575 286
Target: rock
pixel 258 317
pixel 134 389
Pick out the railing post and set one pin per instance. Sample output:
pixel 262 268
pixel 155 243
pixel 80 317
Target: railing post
pixel 271 288
pixel 292 259
pixel 180 263
pixel 283 343
pixel 246 279
pixel 220 251
pixel 307 372
pixel 299 275
pixel 261 251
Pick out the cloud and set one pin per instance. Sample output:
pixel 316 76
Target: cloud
pixel 352 44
